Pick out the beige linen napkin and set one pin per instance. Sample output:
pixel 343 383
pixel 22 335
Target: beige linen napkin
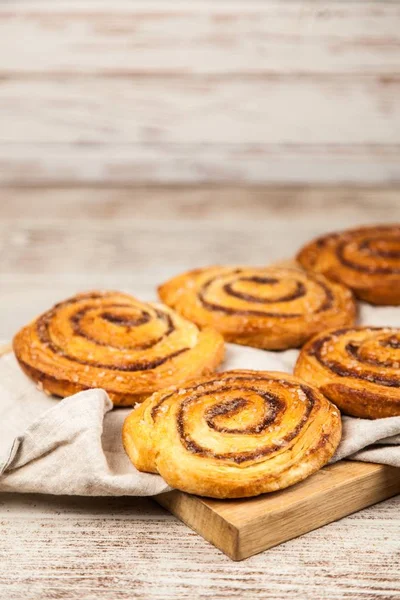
pixel 73 446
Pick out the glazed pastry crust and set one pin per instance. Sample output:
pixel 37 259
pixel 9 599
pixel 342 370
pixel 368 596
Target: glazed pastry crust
pixel 273 308
pixel 236 434
pixel 366 259
pixel 356 368
pixel 113 341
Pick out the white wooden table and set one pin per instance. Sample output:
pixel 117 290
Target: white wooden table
pixel 54 242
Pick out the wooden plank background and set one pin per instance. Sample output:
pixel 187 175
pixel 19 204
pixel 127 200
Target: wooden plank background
pixel 134 92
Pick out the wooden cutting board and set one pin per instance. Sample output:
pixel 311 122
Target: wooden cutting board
pixel 241 528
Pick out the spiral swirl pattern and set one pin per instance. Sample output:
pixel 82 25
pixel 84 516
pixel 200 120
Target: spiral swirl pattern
pixel 358 369
pixel 113 341
pixel 238 433
pixel 367 260
pixel 270 308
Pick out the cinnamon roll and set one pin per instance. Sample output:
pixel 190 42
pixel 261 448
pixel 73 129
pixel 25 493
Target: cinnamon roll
pixel 272 308
pixel 235 434
pixel 358 369
pixel 367 260
pixel 113 341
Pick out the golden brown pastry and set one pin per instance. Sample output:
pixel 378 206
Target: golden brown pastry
pixel 113 341
pixel 272 308
pixel 367 260
pixel 234 434
pixel 358 369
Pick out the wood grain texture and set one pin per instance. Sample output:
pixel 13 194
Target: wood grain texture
pixel 287 91
pixel 201 38
pixel 107 165
pixel 122 548
pixel 242 528
pixel 207 111
pixel 306 206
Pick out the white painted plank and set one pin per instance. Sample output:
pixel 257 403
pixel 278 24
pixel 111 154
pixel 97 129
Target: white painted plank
pixel 159 37
pixel 276 110
pixel 197 6
pixel 48 556
pixel 219 205
pixel 68 164
pixel 169 92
